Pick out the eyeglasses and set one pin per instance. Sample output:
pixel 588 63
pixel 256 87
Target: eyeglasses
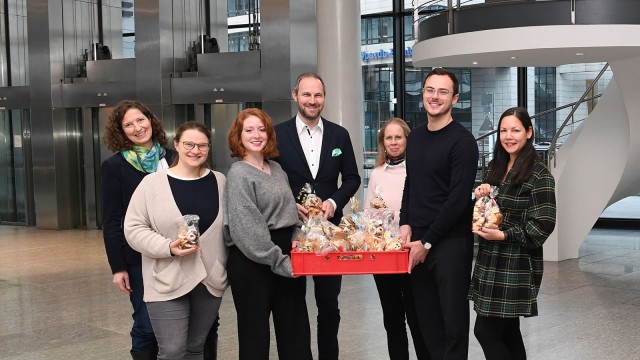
pixel 431 91
pixel 188 145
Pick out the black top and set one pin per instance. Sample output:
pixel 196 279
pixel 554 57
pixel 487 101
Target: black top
pixel 197 197
pixel 119 180
pixel 441 170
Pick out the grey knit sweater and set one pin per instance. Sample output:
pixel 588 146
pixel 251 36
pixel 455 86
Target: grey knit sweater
pixel 256 202
pixel 152 222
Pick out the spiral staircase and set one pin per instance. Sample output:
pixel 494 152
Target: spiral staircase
pixel 597 164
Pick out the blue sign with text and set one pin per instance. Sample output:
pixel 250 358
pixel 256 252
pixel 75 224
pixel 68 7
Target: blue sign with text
pixel 381 54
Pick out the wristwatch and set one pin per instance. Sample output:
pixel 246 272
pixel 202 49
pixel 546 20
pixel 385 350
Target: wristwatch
pixel 427 246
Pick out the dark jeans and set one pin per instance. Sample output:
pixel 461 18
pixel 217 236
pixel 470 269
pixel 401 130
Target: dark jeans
pixel 258 293
pixel 500 338
pixel 327 290
pixel 396 298
pixel 440 287
pixel 142 337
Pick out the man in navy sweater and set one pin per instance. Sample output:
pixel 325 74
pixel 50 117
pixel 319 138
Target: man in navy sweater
pixel 435 219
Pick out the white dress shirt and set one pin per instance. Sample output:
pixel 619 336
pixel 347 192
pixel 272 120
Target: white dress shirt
pixel 311 141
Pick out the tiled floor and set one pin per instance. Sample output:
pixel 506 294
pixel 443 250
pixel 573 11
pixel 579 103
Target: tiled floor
pixel 57 302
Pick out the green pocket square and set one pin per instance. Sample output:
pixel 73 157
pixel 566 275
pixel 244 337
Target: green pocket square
pixel 336 152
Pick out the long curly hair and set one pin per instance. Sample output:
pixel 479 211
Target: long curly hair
pixel 114 136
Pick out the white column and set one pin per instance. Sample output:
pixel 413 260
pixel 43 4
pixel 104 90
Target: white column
pixel 339 65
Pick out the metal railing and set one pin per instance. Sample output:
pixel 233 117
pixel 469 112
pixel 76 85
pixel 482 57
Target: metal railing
pixel 554 141
pixel 423 9
pixel 554 145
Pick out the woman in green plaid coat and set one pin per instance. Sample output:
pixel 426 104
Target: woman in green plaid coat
pixel 508 271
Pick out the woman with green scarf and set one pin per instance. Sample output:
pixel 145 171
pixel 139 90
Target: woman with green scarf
pixel 136 136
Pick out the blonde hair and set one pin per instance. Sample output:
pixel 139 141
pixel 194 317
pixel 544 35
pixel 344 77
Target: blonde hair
pixel 381 157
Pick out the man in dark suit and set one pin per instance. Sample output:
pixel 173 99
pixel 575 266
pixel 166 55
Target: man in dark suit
pixel 316 151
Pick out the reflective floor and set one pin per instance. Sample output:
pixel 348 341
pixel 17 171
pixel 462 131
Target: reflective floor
pixel 58 302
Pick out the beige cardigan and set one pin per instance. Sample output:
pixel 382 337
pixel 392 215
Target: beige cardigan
pixel 152 222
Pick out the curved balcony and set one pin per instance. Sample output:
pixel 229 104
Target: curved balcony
pixel 596 166
pixel 508 34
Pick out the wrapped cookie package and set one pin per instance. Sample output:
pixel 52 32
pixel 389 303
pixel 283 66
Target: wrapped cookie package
pixel 189 233
pixel 486 212
pixel 369 230
pixel 310 201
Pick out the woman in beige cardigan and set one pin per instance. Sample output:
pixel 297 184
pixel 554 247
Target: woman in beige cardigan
pixel 183 287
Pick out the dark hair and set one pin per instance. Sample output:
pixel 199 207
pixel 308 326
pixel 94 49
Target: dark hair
pixel 381 157
pixel 114 136
pixel 190 125
pixel 235 142
pixel 523 165
pixel 445 72
pixel 308 75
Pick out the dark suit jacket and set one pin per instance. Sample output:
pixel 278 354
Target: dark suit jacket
pixel 335 139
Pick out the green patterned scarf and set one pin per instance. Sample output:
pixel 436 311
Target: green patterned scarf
pixel 143 159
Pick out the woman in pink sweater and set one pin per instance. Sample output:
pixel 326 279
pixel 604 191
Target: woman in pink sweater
pixel 396 298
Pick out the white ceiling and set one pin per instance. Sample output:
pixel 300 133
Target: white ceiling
pixel 530 46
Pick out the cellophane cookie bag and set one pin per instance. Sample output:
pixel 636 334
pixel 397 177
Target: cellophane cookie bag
pixel 189 233
pixel 486 212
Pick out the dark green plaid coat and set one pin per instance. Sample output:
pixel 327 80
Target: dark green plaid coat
pixel 507 275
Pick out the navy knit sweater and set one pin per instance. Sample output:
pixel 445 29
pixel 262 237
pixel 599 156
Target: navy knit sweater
pixel 441 170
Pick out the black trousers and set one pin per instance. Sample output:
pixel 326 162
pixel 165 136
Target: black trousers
pixel 327 290
pixel 396 298
pixel 500 338
pixel 258 293
pixel 440 287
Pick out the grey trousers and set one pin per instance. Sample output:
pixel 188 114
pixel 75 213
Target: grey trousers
pixel 181 325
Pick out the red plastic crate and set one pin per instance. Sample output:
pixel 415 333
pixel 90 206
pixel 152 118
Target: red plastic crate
pixel 350 262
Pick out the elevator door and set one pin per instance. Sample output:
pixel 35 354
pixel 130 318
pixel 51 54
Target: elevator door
pixel 16 194
pixel 94 121
pixel 219 117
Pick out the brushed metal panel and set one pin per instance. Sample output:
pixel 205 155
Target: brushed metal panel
pixel 154 51
pixel 279 110
pixel 89 168
pixel 111 70
pixel 15 97
pixel 288 48
pixel 42 134
pixel 219 24
pixel 4 76
pixel 186 27
pixel 219 89
pixel 112 27
pixel 223 64
pixel 95 94
pixel 17 17
pixel 79 30
pixel 67 151
pixel 222 116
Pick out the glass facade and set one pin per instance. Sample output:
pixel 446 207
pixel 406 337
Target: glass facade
pixel 545 99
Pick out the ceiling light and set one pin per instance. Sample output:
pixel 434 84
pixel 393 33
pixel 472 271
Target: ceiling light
pixel 514 57
pixel 475 63
pixel 579 53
